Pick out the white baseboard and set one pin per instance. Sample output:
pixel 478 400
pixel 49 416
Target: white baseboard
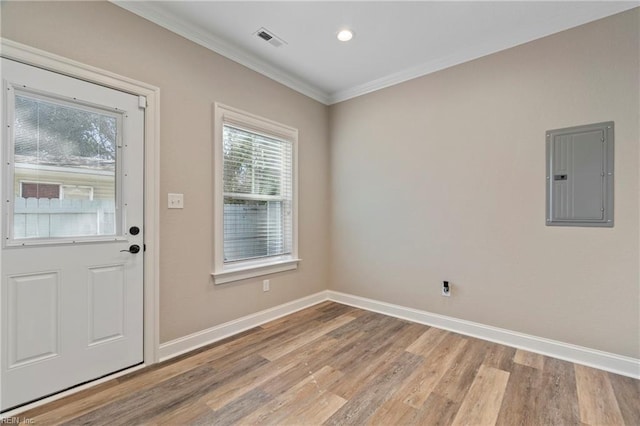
pixel 196 340
pixel 618 364
pixel 614 363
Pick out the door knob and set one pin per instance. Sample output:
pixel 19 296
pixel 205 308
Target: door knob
pixel 134 248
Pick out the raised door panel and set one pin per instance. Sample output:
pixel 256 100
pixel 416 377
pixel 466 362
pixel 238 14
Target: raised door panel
pixel 106 306
pixel 34 318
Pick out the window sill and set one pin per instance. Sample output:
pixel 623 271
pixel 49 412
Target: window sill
pixel 247 270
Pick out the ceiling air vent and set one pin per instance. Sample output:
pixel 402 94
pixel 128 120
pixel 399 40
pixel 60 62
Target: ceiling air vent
pixel 270 37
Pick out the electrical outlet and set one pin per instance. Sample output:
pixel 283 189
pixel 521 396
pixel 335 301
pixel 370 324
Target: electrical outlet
pixel 265 285
pixel 446 289
pixel 176 201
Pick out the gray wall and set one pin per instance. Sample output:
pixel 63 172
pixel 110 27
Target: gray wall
pixel 443 178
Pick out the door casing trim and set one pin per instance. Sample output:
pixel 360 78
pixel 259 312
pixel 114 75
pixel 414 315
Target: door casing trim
pixel 19 52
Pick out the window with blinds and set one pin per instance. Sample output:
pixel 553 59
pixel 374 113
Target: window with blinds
pixel 257 195
pixel 255 209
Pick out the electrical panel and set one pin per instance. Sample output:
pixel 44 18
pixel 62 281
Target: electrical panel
pixel 580 175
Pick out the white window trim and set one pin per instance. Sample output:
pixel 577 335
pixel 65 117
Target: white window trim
pixel 63 186
pixel 257 267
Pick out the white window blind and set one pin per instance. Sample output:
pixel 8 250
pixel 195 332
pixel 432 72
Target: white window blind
pixel 258 195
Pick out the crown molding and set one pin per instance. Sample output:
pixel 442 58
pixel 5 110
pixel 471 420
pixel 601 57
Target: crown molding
pixel 406 75
pixel 471 53
pixel 475 51
pixel 150 12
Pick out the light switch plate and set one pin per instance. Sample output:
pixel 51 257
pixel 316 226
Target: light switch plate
pixel 176 201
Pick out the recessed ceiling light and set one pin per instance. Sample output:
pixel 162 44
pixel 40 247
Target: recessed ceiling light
pixel 345 35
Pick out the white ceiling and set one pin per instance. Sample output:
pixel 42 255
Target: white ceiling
pixel 394 41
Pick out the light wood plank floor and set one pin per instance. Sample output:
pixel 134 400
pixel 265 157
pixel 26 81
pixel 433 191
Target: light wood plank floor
pixel 336 365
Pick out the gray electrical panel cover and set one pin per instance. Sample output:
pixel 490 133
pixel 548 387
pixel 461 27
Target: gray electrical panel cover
pixel 580 176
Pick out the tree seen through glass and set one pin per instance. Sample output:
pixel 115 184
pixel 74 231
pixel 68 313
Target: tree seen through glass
pixel 57 133
pixel 252 163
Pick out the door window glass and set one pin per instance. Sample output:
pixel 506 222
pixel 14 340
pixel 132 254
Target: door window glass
pixel 74 146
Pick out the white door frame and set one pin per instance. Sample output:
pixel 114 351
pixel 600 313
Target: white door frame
pixel 39 58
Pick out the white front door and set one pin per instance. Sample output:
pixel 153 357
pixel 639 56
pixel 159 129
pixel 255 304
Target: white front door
pixel 72 208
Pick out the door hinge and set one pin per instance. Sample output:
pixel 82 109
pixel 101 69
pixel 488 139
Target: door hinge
pixel 144 247
pixel 142 101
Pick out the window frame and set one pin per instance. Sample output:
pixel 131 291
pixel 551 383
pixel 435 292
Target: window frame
pixel 9 174
pixel 65 185
pixel 240 270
